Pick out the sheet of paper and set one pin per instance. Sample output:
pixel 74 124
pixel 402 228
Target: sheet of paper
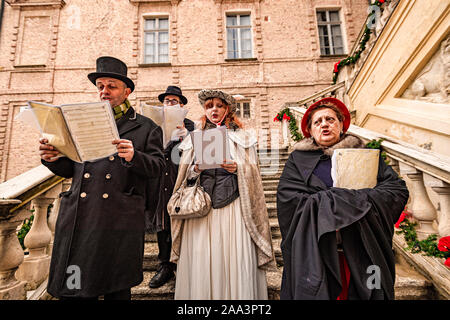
pixel 54 128
pixel 173 117
pixel 168 118
pixel 355 168
pixel 93 128
pixel 156 113
pixel 211 147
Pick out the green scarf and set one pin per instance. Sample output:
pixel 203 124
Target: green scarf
pixel 120 110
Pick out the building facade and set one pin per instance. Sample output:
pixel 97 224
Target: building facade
pixel 270 52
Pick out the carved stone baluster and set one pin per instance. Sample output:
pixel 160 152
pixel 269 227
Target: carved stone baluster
pixel 443 191
pixel 11 253
pixel 34 270
pixel 421 207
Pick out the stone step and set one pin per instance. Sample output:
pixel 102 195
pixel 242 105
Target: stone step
pixel 144 292
pixel 270 195
pixel 167 291
pixel 270 184
pixel 151 256
pixel 274 228
pixel 410 285
pixel 272 209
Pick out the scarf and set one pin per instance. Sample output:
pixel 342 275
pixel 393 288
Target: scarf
pixel 120 110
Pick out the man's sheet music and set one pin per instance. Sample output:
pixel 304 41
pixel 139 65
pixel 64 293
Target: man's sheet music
pixel 82 131
pixel 168 118
pixel 211 147
pixel 93 129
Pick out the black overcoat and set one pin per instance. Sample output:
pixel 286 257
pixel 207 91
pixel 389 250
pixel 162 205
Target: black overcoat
pixel 309 214
pixel 157 216
pixel 100 226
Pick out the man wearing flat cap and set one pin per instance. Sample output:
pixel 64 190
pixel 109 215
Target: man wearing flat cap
pixel 159 220
pixel 99 236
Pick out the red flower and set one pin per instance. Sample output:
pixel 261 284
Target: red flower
pixel 336 66
pixel 403 216
pixel 447 262
pixel 444 244
pixel 286 117
pixel 275 119
pixel 381 1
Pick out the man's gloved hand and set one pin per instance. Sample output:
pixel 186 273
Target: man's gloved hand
pixel 179 133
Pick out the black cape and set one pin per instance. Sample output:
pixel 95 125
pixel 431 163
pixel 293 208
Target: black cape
pixel 309 213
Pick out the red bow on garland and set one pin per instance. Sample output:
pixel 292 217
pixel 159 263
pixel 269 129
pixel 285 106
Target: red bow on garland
pixel 286 117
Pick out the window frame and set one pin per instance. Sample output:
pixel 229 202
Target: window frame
pixel 239 27
pixel 155 31
pixel 328 23
pixel 240 107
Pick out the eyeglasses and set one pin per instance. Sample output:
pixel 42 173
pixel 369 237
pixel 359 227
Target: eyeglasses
pixel 171 102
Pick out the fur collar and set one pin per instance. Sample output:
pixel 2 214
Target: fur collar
pixel 348 141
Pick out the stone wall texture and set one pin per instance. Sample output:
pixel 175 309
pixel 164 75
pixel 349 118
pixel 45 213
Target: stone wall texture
pixel 48 47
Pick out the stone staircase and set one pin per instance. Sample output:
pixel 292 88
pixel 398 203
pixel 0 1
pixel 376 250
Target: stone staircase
pixel 410 285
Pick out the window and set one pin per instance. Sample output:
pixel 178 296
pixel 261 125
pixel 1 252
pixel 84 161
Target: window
pixel 239 36
pixel 156 41
pixel 243 109
pixel 330 34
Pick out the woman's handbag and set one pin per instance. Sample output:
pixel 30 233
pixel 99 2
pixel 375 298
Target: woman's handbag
pixel 189 202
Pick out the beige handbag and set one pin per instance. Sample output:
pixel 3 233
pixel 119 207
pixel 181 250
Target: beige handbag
pixel 189 202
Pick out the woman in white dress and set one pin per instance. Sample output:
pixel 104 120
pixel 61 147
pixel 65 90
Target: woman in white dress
pixel 224 255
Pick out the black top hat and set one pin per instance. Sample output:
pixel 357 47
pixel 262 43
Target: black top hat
pixel 174 91
pixel 110 67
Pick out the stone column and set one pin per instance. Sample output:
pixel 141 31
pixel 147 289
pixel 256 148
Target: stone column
pixel 421 207
pixel 11 253
pixel 443 190
pixel 34 270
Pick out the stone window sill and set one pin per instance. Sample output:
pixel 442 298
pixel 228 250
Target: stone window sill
pixel 149 65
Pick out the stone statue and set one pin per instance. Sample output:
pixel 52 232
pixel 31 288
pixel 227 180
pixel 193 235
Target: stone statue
pixel 433 83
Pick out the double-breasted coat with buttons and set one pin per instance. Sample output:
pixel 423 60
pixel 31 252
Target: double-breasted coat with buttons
pixel 100 226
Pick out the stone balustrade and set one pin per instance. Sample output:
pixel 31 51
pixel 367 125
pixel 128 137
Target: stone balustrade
pixel 427 175
pixel 35 189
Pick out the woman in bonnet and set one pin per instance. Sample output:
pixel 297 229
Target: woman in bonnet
pixel 224 255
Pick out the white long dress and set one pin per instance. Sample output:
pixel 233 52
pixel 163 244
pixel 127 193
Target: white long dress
pixel 218 259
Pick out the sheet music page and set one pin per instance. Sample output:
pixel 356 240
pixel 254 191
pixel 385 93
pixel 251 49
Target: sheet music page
pixel 173 117
pixel 156 113
pixel 93 128
pixel 211 147
pixel 355 168
pixel 54 128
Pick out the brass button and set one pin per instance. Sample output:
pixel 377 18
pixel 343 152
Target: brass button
pixel 83 195
pixel 165 189
pixel 105 196
pixel 87 175
pixel 167 173
pixel 108 176
pixel 167 159
pixel 111 158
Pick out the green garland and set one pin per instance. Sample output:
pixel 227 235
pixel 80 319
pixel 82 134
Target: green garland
pixel 362 46
pixel 428 246
pixel 26 226
pixel 376 144
pixel 293 128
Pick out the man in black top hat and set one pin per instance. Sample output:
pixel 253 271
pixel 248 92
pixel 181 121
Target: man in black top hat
pixel 99 237
pixel 158 220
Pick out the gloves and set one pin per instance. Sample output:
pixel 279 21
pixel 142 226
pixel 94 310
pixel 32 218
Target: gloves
pixel 178 134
